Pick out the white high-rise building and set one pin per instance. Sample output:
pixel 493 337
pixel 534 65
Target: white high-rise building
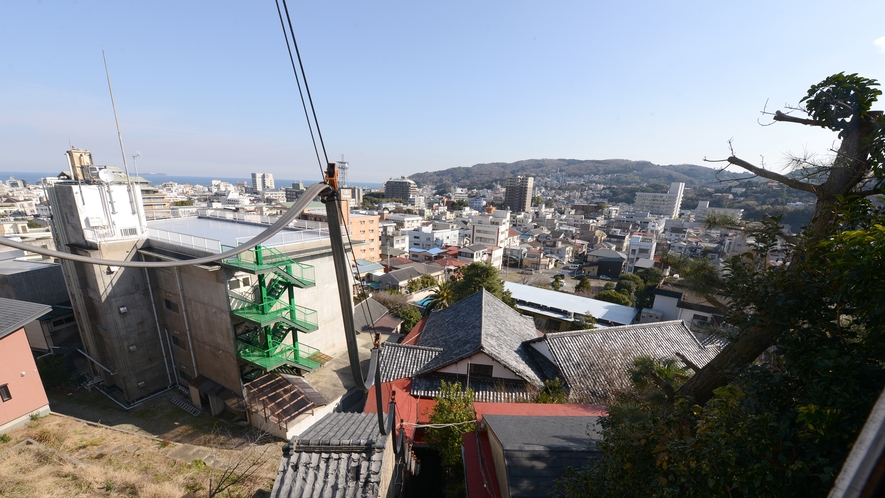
pixel 262 181
pixel 661 204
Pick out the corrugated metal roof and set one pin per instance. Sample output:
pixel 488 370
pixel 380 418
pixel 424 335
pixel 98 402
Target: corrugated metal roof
pixel 595 362
pixel 600 310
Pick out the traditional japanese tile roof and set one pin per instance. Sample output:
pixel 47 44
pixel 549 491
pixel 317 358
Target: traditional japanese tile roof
pixel 594 363
pixel 399 361
pixel 341 456
pixel 16 314
pixel 484 390
pixel 481 323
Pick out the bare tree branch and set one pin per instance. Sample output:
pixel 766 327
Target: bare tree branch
pixel 687 362
pixel 779 116
pixel 771 175
pixel 663 384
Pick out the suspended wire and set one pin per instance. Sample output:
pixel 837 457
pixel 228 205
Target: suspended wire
pixel 306 86
pixel 300 92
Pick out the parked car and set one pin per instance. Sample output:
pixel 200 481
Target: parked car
pixel 528 271
pixel 604 277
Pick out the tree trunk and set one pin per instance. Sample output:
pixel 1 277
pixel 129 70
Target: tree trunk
pixel 851 165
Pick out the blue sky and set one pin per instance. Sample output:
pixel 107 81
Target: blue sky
pixel 205 88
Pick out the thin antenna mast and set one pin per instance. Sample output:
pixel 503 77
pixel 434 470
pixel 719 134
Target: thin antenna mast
pixel 119 136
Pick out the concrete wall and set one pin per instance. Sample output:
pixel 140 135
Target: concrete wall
pixel 44 285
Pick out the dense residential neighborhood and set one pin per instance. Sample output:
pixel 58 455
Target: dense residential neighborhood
pixel 533 305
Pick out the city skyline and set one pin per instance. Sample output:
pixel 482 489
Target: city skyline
pixel 401 89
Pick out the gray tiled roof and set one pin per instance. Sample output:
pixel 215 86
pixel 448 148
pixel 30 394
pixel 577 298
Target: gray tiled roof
pixel 339 456
pixel 16 314
pixel 484 390
pixel 595 362
pixel 399 276
pixel 399 361
pixel 366 313
pixel 481 323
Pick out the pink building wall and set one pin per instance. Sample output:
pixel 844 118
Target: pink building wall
pixel 19 372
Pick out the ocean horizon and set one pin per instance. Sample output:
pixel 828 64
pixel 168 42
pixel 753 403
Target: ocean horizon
pixel 33 178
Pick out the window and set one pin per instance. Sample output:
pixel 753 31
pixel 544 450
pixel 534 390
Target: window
pixel 176 342
pixel 4 393
pixel 700 318
pixel 477 370
pixel 169 305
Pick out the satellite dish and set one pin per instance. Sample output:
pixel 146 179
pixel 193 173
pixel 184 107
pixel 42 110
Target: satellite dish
pixel 106 175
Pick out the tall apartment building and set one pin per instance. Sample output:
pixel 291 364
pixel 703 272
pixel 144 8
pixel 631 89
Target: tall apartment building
pixel 210 327
pixel 518 193
pixel 400 188
pixel 661 204
pixel 262 181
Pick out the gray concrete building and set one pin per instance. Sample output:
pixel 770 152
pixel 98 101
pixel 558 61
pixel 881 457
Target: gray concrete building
pixel 209 328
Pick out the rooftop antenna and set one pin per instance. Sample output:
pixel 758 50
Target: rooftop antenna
pixel 135 162
pixel 343 166
pixel 120 137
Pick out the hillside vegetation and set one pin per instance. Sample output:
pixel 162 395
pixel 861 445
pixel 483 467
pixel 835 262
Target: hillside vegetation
pixel 615 171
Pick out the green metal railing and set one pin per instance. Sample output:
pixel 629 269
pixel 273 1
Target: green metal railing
pixel 272 310
pixel 274 355
pixel 268 258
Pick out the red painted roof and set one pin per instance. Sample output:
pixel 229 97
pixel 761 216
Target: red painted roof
pixel 409 409
pixel 538 409
pixel 415 333
pixel 479 468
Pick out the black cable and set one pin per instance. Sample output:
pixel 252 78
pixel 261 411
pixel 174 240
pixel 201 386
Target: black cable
pixel 306 86
pixel 300 93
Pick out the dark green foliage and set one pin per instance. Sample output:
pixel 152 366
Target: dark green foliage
pixel 553 392
pixel 613 296
pixel 34 224
pixel 186 202
pixel 422 282
pixel 476 276
pixel 583 285
pixel 454 405
pixel 53 372
pixel 410 316
pixel 782 427
pixel 557 283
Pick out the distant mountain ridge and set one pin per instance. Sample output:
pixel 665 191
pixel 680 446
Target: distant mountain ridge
pixel 618 171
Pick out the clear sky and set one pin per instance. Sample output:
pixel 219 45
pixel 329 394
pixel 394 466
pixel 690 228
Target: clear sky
pixel 400 87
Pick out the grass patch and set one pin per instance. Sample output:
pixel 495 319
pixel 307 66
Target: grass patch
pixel 31 470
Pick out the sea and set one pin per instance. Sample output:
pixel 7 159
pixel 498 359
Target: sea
pixel 32 177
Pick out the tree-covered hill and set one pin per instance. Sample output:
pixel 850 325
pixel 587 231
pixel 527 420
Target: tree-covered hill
pixel 615 171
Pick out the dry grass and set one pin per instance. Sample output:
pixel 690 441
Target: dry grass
pixel 112 463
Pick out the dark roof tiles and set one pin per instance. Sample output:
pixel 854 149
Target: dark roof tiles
pixel 481 323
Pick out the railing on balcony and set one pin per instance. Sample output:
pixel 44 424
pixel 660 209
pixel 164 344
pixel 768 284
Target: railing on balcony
pixel 276 354
pixel 272 310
